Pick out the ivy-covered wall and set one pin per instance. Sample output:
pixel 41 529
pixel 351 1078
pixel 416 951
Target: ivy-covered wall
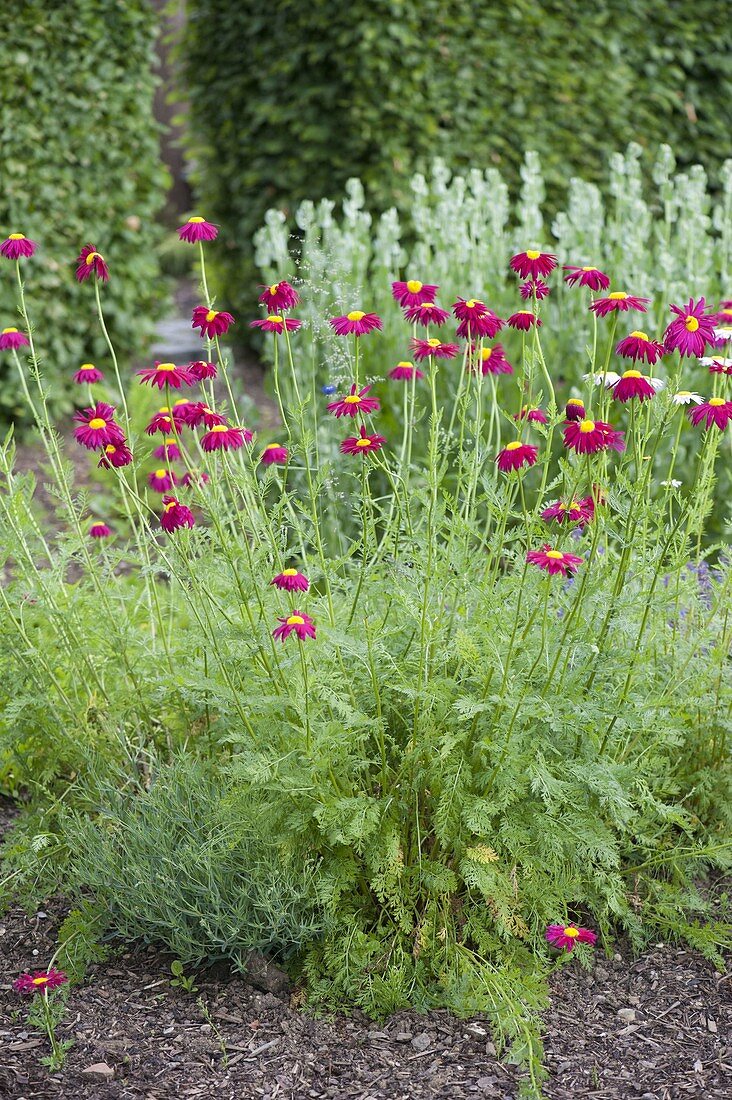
pixel 79 161
pixel 289 100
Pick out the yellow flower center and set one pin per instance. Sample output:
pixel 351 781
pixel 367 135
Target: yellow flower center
pixel 589 269
pixel 169 505
pixel 405 363
pixel 289 572
pixel 274 288
pixel 40 981
pixel 356 315
pixel 97 422
pixel 726 312
pixel 414 286
pixel 691 324
pixel 571 932
pixel 486 353
pixel 219 428
pixel 684 393
pixel 716 401
pixel 165 366
pixel 352 399
pixel 639 335
pixel 275 318
pixel 211 314
pixel 427 305
pixel 272 446
pixel 92 257
pixel 618 296
pixel 363 442
pixel 195 220
pixel 632 374
pixel 169 442
pixel 16 237
pixel 472 303
pixel 295 620
pixel 87 366
pixel 110 449
pixel 160 473
pixel 556 555
pixel 533 254
pixel 513 446
pixel 575 401
pixel 587 426
pixel 434 342
pixel 8 330
pixel 524 313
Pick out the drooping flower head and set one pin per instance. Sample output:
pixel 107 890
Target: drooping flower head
pixel 638 345
pixel 469 309
pixel 175 515
pixel 274 454
pixel 533 264
pixel 554 561
pixel 291 581
pixel 575 511
pixel 201 370
pixel 589 436
pixel 686 397
pixel 211 322
pixel 99 531
pixel 691 330
pixel 162 421
pixel 17 245
pixel 717 364
pixel 12 338
pixel 487 324
pixel 492 360
pixel 224 437
pixel 538 416
pixel 90 262
pixel 590 277
pixel 716 411
pixel 423 349
pixel 297 623
pixel 276 322
pixel 40 981
pixel 405 372
pixel 363 443
pixel 165 374
pixel 354 403
pixel 523 320
pixel 634 384
pixel 412 292
pixel 356 323
pixel 574 409
pixel 200 413
pixel 565 936
pixel 515 455
pixel 168 450
pixel 531 289
pixel 97 427
pixel 198 229
pixel 89 374
pixel 618 301
pixel 426 313
pixel 115 454
pixel 182 411
pixel 278 296
pixel 162 480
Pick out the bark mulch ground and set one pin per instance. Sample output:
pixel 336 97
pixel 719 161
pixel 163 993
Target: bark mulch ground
pixel 655 1028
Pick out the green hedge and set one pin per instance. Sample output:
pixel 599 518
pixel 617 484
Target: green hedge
pixel 80 162
pixel 288 101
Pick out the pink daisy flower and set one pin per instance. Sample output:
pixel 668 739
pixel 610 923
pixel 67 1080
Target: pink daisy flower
pixel 565 936
pixel 17 245
pixel 274 454
pixel 12 338
pixel 363 443
pixel 115 455
pixel 554 561
pixel 574 409
pixel 275 322
pixel 222 437
pixel 162 421
pixel 590 277
pixel 165 374
pixel 412 292
pixel 198 229
pixel 90 262
pixel 531 288
pixel 523 320
pixel 469 309
pixel 423 349
pixel 278 296
pixel 723 316
pixel 39 981
pixel 356 323
pixel 618 300
pixel 211 322
pixel 486 324
pixel 175 515
pixel 639 346
pixel 297 623
pixel 291 581
pixel 717 364
pixel 200 413
pixel 99 531
pixel 716 411
pixel 405 372
pixel 533 264
pixel 574 512
pixel 162 480
pixel 426 313
pixel 691 330
pixel 633 384
pixel 97 427
pixel 536 415
pixel 589 436
pixel 168 450
pixel 492 360
pixel 515 455
pixel 183 410
pixel 89 374
pixel 354 403
pixel 200 370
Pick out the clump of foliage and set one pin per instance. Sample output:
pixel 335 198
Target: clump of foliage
pixel 357 699
pixel 78 83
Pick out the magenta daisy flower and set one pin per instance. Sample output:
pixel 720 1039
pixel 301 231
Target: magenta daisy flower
pixel 99 531
pixel 200 413
pixel 354 403
pixel 362 443
pixel 162 421
pixel 426 313
pixel 717 364
pixel 412 293
pixel 97 427
pixel 531 288
pixel 554 561
pixel 691 330
pixel 175 515
pixel 297 623
pixel 633 384
pixel 291 581
pixel 40 981
pixel 162 480
pixel 274 454
pixel 222 437
pixel 89 374
pixel 565 936
pixel 533 264
pixel 523 320
pixel 538 416
pixel 165 374
pixel 194 477
pixel 618 301
pixel 574 409
pixel 90 262
pixel 198 229
pixel 716 411
pixel 469 309
pixel 575 511
pixel 17 245
pixel 405 372
pixel 115 455
pixel 278 296
pixel 486 324
pixel 211 322
pixel 515 455
pixel 183 410
pixel 638 345
pixel 356 323
pixel 423 349
pixel 492 360
pixel 12 338
pixel 275 322
pixel 590 277
pixel 168 450
pixel 589 436
pixel 200 370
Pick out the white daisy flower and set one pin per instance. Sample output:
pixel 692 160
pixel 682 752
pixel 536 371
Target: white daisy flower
pixel 603 378
pixel 715 361
pixel 723 332
pixel 672 484
pixel 658 384
pixel 685 397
